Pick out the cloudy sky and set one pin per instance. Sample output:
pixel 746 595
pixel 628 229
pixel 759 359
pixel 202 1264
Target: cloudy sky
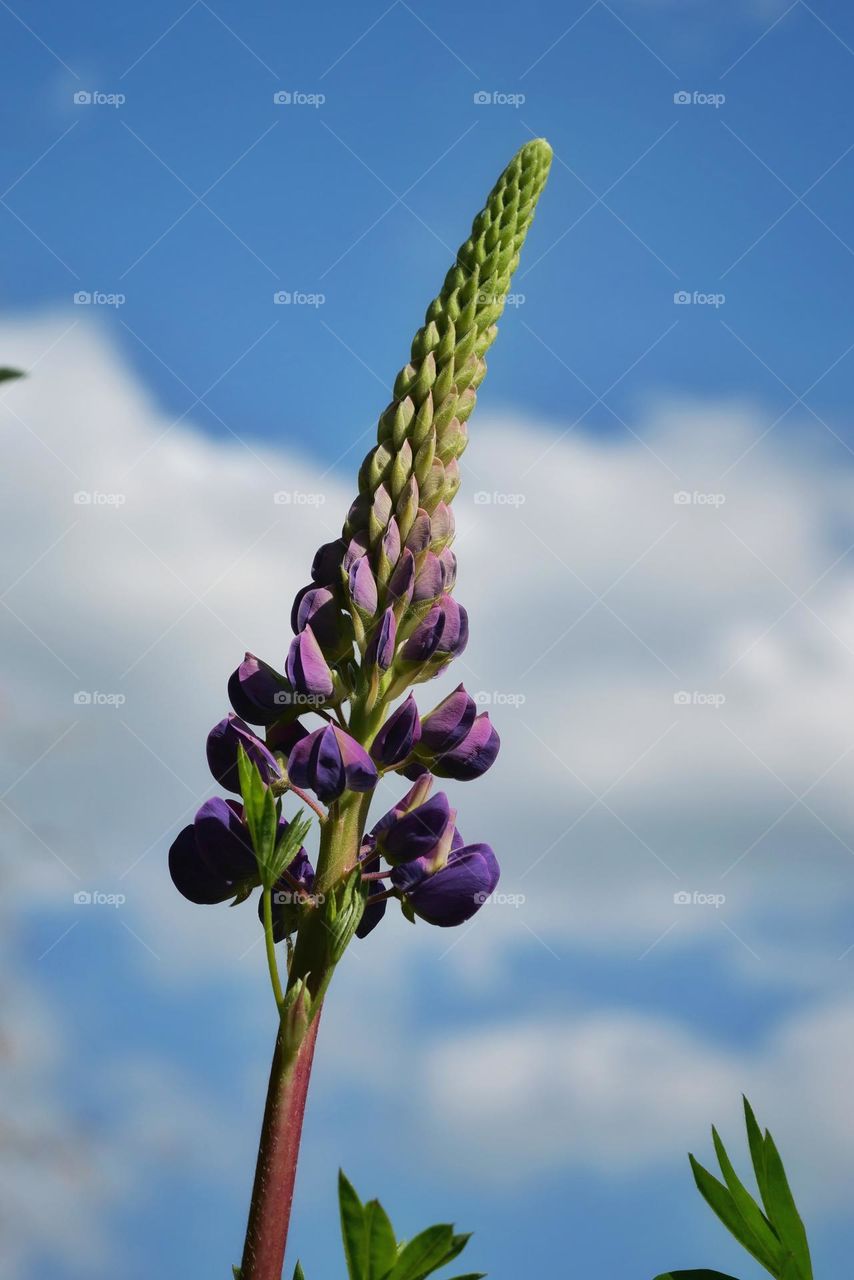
pixel 655 543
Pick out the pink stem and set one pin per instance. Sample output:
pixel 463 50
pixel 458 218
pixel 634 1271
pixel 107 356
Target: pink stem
pixel 278 1151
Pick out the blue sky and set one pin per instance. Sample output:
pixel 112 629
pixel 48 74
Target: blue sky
pixel 194 200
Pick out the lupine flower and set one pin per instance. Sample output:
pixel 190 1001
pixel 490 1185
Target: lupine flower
pixel 430 578
pixel 258 694
pixel 320 608
pixel 306 667
pixel 212 859
pixel 403 579
pixel 286 900
pixel 363 586
pixel 223 741
pixel 449 722
pixel 330 762
pixel 453 894
pixel 381 646
pixel 424 833
pixel 374 911
pixel 471 757
pixel 326 566
pixel 398 736
pixel 424 641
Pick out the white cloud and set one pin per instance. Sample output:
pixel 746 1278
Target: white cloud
pixel 596 600
pixel 619 1091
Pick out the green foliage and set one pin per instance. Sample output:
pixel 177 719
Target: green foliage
pixel 6 374
pixel 261 811
pixel 772 1232
pixel 373 1252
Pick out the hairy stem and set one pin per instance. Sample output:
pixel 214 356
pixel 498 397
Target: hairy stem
pixel 278 1151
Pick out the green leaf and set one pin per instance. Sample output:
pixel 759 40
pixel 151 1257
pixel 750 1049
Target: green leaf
pixel 289 845
pixel 353 1229
pixel 235 1271
pixel 472 1275
pixel 756 1142
pixel 299 1274
pixel 781 1209
pixel 6 374
pixel 754 1219
pixel 382 1243
pixel 261 814
pixel 720 1201
pixel 427 1252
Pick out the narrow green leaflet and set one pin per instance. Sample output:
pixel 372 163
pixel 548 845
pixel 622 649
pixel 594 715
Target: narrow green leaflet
pixel 289 845
pixel 353 1229
pixel 382 1244
pixel 299 1274
pixel 719 1200
pixel 427 1252
pixel 6 374
pixel 755 1220
pixel 781 1209
pixel 756 1142
pixel 261 814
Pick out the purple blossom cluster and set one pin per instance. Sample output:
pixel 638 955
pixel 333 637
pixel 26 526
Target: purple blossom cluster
pixel 377 617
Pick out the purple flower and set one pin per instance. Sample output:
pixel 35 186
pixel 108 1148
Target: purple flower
pixel 363 586
pixel 391 542
pixel 307 668
pixel 357 547
pixel 429 580
pixel 374 911
pixel 284 737
pixel 449 568
pixel 286 900
pixel 455 633
pixel 319 608
pixel 449 722
pixel 382 644
pixel 472 756
pixel 424 833
pixel 424 641
pixel 212 859
pixel 418 538
pixel 326 568
pixel 398 736
pixel 223 741
pixel 330 762
pixel 402 581
pixel 257 692
pixel 441 525
pixel 453 894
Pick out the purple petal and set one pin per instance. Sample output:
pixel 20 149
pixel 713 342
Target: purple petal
pixel 454 894
pixel 418 538
pixel 191 876
pixel 402 581
pixel 449 722
pixel 306 667
pixel 256 691
pixel 424 641
pixel 398 735
pixel 430 578
pixel 359 769
pixel 223 741
pixel 326 568
pixel 382 644
pixel 363 586
pixel 472 757
pixel 223 840
pixel 424 832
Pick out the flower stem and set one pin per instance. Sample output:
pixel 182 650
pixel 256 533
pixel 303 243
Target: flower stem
pixel 278 1150
pixel 270 944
